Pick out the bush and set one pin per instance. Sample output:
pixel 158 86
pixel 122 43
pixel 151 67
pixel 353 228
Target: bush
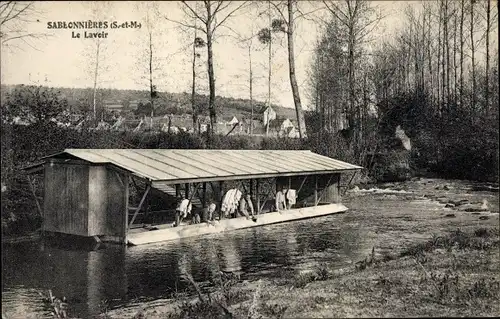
pixel 392 167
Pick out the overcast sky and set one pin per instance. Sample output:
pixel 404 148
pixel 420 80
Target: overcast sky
pixel 61 60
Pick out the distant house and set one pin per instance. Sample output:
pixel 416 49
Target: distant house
pixel 113 104
pixel 233 121
pixel 183 122
pixel 286 124
pixel 268 115
pixel 134 104
pixel 227 120
pixel 290 132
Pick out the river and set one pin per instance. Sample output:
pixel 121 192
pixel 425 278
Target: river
pixel 387 217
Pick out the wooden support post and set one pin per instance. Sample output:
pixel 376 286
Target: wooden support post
pixel 258 195
pixel 119 178
pixel 135 184
pixel 221 197
pixel 194 192
pixel 140 205
pixel 289 182
pixel 204 197
pixel 302 184
pixel 186 190
pixel 350 181
pixel 338 187
pixel 323 190
pixel 32 187
pixel 266 198
pixel 251 188
pixel 213 188
pixel 125 220
pixel 315 190
pixel 177 190
pixel 244 187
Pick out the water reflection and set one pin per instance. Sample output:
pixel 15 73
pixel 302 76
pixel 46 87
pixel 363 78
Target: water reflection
pixel 121 275
pixel 86 277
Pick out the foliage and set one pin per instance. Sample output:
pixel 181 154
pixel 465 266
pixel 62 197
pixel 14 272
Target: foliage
pixel 143 109
pixel 456 239
pixel 34 104
pixel 452 143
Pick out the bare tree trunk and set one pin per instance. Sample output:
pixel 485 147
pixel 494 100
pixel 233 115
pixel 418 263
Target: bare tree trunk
pixel 152 90
pixel 270 65
pixel 193 87
pixel 96 70
pixel 443 60
pixel 448 65
pixel 455 86
pixel 439 84
pixel 462 12
pixel 251 88
pixel 473 52
pixel 429 55
pixel 293 81
pixel 319 56
pixel 423 51
pixel 488 26
pixel 211 82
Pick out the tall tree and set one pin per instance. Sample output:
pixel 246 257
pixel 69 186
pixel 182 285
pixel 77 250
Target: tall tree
pixel 473 53
pixel 151 55
pixel 358 18
pixel 212 16
pixel 265 37
pixel 287 23
pixel 198 42
pixel 291 65
pixel 462 41
pixel 98 53
pixel 487 73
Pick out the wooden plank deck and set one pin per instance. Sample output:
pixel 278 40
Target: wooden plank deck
pixel 167 232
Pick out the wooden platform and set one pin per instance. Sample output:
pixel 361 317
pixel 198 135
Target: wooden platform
pixel 167 232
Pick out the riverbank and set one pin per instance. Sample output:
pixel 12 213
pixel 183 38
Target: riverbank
pixel 456 275
pixel 419 264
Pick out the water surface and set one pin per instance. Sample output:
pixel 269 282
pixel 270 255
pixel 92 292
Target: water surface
pixel 117 276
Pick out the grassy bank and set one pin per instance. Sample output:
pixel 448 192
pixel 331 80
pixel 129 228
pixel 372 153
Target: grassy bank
pixel 456 274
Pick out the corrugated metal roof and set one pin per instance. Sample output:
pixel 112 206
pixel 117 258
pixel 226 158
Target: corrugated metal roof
pixel 181 165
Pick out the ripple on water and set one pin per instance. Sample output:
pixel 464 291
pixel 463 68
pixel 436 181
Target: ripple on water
pixel 125 276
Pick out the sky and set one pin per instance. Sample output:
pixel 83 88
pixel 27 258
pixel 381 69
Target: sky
pixel 64 61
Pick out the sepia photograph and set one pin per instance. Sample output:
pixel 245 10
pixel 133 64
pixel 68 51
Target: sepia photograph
pixel 249 159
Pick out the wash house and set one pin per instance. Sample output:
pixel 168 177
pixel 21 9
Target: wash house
pixel 112 194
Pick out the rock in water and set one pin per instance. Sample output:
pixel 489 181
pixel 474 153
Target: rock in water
pixel 485 204
pixel 405 140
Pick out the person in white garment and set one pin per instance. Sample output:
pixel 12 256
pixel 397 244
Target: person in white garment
pixel 280 201
pixel 183 210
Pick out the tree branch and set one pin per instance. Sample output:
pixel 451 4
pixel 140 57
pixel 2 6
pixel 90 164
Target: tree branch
pixel 334 9
pixel 8 17
pixel 204 21
pixel 303 15
pixel 186 25
pixel 229 15
pixel 280 12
